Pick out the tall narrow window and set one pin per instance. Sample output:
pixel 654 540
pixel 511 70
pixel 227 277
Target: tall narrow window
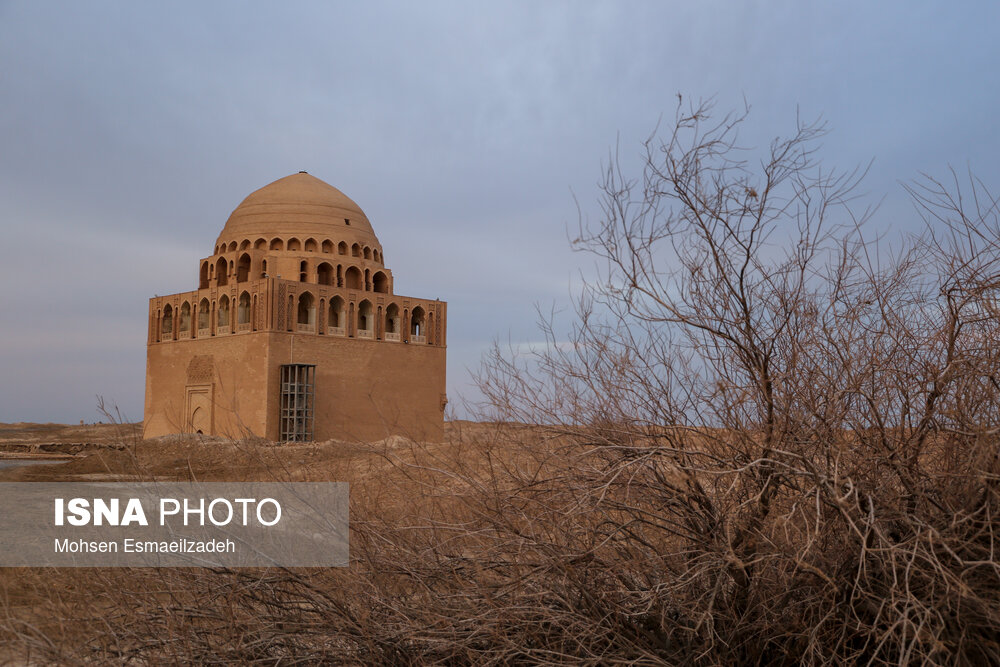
pixel 222 272
pixel 297 401
pixel 392 327
pixel 204 314
pixel 243 309
pixel 168 320
pixel 418 332
pixel 307 310
pixel 365 319
pixel 380 282
pixel 185 323
pixel 224 311
pixel 243 269
pixel 336 317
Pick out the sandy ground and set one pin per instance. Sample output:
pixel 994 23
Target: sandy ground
pixel 30 433
pixel 41 441
pixel 110 452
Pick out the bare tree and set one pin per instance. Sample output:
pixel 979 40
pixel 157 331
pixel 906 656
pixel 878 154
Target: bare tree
pixel 803 421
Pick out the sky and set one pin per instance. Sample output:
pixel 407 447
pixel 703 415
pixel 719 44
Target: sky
pixel 472 134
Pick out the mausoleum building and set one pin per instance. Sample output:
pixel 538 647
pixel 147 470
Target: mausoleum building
pixel 296 331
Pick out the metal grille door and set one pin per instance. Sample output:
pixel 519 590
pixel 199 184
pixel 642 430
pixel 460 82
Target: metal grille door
pixel 297 401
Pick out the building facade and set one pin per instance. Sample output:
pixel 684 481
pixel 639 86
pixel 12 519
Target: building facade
pixel 295 331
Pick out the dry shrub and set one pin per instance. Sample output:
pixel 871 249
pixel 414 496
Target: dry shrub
pixel 767 439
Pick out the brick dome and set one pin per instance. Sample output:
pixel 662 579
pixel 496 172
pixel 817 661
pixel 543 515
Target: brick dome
pixel 300 205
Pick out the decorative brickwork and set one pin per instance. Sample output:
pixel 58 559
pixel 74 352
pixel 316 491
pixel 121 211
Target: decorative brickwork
pixel 282 290
pixel 201 369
